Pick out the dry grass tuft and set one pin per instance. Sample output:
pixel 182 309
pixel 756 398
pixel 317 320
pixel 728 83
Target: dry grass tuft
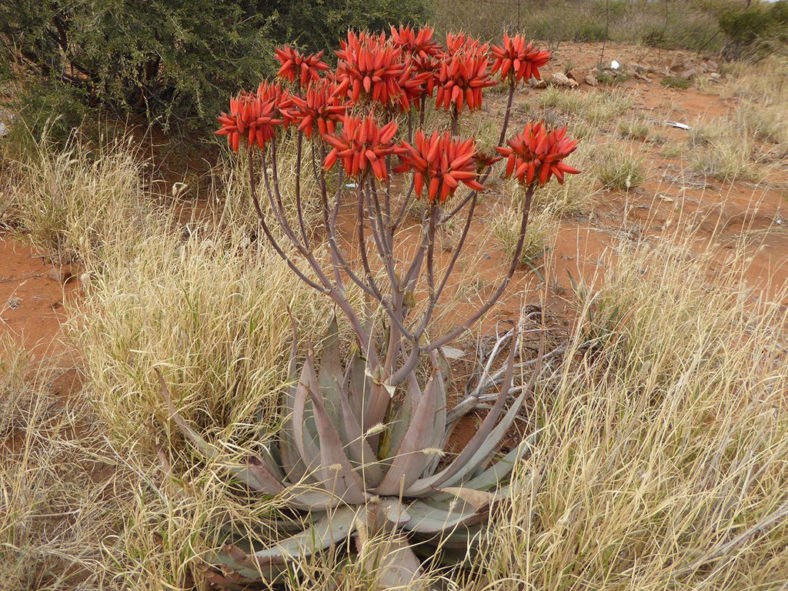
pixel 662 461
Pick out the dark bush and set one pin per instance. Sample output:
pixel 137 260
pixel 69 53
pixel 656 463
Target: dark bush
pixel 173 61
pixel 755 31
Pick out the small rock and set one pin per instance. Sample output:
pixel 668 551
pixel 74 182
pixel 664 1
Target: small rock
pixel 560 79
pixel 640 76
pixel 689 74
pixel 715 77
pixel 3 129
pixel 534 83
pixel 712 65
pixel 590 80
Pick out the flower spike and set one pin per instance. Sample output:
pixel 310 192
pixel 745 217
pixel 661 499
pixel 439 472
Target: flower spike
pixel 362 144
pixel 442 163
pixel 536 155
pixel 296 65
pixel 518 60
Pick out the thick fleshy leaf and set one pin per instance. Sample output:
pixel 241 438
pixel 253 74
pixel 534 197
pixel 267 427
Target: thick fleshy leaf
pixel 358 449
pixel 424 432
pixel 396 566
pixel 336 471
pixel 501 469
pixel 329 377
pixel 396 428
pixel 305 440
pixel 466 463
pixel 444 517
pixel 357 385
pixel 208 450
pixel 331 529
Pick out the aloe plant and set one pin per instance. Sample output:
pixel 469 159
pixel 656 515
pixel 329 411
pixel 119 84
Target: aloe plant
pixel 352 482
pixel 361 450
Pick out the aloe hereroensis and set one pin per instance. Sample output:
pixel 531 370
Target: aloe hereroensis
pixel 361 450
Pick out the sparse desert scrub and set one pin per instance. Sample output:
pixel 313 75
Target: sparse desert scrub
pixel 504 227
pixel 595 108
pixel 723 151
pixel 74 202
pixel 211 310
pixel 618 168
pixel 663 461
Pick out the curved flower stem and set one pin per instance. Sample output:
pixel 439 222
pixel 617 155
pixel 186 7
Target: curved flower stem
pixel 269 235
pixel 459 247
pixel 431 231
pixel 362 244
pixel 498 292
pixel 512 85
pixel 299 209
pixel 334 290
pixel 455 117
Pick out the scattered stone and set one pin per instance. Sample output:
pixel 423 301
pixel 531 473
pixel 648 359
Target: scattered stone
pixel 689 74
pixel 590 79
pixel 14 302
pixel 60 274
pixel 560 79
pixel 3 129
pixel 715 77
pixel 534 83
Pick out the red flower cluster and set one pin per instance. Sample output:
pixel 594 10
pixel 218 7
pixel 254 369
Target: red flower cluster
pixel 536 154
pixel 323 105
pixel 362 144
pixel 251 116
pixel 297 65
pixel 517 59
pixel 422 56
pixel 416 43
pixel 442 162
pixel 463 75
pixel 375 66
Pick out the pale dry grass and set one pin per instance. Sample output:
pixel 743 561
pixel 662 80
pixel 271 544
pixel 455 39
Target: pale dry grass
pixel 75 203
pixel 663 459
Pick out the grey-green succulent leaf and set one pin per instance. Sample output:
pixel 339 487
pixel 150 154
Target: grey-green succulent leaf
pixel 470 457
pixel 336 471
pixel 424 431
pixel 331 529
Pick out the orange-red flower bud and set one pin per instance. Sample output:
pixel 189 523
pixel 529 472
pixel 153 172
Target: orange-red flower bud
pixel 534 155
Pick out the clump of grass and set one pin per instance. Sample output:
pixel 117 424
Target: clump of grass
pixel 723 151
pixel 634 129
pixel 75 202
pixel 619 170
pixel 676 82
pixel 576 195
pixel 505 228
pixel 211 311
pixel 593 107
pixel 673 150
pixel 662 461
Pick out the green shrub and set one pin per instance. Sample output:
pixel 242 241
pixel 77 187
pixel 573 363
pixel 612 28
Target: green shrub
pixel 676 82
pixel 172 61
pixel 755 31
pixel 591 32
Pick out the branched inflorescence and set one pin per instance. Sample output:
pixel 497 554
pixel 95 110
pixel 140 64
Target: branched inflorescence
pixel 361 445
